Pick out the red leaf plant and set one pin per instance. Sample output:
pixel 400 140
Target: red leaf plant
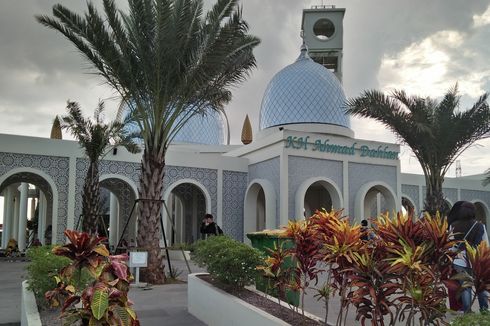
pixel 275 271
pixel 306 252
pixel 105 300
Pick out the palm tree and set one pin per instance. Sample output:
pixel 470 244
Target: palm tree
pixel 169 61
pixel 437 132
pixel 96 138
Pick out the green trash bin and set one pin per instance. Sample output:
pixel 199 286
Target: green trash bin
pixel 263 241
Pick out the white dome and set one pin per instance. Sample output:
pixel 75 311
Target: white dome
pixel 303 92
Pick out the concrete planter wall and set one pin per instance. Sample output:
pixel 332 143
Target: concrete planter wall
pixel 218 308
pixel 29 315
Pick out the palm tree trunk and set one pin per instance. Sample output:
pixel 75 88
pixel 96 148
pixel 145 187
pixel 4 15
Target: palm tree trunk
pixel 434 198
pixel 150 210
pixel 90 199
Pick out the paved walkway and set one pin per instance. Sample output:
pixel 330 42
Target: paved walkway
pixel 157 305
pixel 11 276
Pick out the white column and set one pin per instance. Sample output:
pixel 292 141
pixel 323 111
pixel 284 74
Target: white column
pixel 33 207
pixel 15 217
pixel 41 220
pixel 7 216
pixel 113 214
pixel 10 214
pixel 24 188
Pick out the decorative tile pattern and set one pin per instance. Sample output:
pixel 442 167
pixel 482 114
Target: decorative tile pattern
pixel 234 187
pixel 54 166
pixel 451 194
pixel 475 194
pixel 303 92
pixel 413 192
pixel 124 192
pixel 267 170
pixel 360 174
pixel 119 187
pixel 303 168
pixel 207 177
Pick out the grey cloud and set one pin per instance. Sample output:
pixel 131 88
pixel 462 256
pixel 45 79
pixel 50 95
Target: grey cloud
pixel 372 29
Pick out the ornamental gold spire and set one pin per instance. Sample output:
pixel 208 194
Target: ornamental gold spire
pixel 56 129
pixel 247 136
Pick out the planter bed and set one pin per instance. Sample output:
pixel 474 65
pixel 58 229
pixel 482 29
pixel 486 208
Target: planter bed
pixel 214 305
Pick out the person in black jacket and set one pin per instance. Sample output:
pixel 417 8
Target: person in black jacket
pixel 209 228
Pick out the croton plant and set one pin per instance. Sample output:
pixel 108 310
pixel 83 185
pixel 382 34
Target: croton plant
pixel 400 274
pixel 105 300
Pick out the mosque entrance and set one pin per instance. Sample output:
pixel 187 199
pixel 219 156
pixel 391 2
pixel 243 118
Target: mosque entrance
pixel 373 200
pixel 117 198
pixel 317 197
pixel 259 211
pixel 187 206
pixel 27 210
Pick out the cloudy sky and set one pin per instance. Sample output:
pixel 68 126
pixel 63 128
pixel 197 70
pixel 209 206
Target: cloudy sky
pixel 424 47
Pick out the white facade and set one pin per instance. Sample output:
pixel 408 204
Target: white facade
pixel 305 157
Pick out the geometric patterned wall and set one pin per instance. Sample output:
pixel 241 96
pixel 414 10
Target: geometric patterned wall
pixel 234 187
pixel 304 168
pixel 475 194
pixel 268 170
pixel 413 192
pixel 450 194
pixel 360 174
pixel 207 177
pixel 54 166
pixel 125 195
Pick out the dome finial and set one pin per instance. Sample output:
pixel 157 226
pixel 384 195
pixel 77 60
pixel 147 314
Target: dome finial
pixel 56 129
pixel 304 49
pixel 247 135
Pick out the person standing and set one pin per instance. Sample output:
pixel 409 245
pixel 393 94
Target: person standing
pixel 209 227
pixel 465 227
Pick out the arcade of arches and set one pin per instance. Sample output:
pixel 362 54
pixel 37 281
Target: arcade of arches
pixel 27 210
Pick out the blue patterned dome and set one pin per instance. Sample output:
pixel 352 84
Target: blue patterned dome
pixel 303 92
pixel 205 128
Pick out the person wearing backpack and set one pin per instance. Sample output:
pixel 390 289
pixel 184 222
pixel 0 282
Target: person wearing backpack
pixel 209 228
pixel 465 227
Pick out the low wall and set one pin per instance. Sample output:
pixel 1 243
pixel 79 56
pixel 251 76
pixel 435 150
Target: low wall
pixel 218 308
pixel 29 315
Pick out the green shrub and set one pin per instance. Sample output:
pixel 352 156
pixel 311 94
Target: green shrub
pixel 43 267
pixel 472 320
pixel 229 261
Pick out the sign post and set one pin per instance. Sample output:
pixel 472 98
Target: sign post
pixel 138 259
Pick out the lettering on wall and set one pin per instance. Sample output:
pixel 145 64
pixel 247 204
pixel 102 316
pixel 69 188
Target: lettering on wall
pixel 319 145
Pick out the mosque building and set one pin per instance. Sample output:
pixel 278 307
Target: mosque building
pixel 304 157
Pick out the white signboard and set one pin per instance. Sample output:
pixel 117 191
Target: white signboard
pixel 138 259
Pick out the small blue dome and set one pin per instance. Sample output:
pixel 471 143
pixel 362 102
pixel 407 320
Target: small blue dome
pixel 303 92
pixel 205 128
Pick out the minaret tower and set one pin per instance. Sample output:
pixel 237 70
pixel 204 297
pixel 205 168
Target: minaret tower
pixel 322 31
